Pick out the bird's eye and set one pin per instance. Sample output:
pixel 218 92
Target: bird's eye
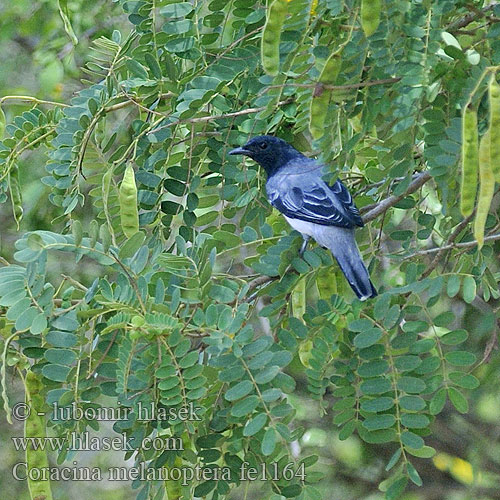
pixel 263 145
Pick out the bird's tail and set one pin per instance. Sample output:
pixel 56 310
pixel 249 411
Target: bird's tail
pixel 357 275
pixel 350 262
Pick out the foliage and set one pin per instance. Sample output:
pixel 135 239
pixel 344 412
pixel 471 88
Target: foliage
pixel 172 315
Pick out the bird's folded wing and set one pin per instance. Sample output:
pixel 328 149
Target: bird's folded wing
pixel 316 202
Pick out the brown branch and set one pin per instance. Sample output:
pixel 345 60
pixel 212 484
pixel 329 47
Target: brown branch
pixel 470 17
pixel 201 119
pixel 491 345
pixel 319 87
pixel 384 205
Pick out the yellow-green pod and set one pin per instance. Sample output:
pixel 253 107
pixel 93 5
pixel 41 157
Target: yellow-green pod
pixel 34 427
pixel 129 212
pixel 486 188
pixel 326 282
pixel 270 44
pixel 470 161
pixel 305 352
pixel 299 299
pixel 319 104
pixel 15 195
pixel 370 15
pixel 494 95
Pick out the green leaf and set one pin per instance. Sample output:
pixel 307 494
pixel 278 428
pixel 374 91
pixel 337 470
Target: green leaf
pixel 460 358
pixel 410 439
pixel 268 442
pixel 176 10
pixel 393 460
pixel 412 403
pixel 375 386
pixel 437 402
pixel 267 374
pixel 378 436
pixel 25 320
pixel 373 368
pixel 407 363
pixel 60 356
pixel 131 245
pixel 454 337
pixel 414 420
pixel 469 289
pixel 367 338
pixel 453 286
pixel 137 69
pixel 425 452
pixel 255 424
pixel 58 373
pixel 377 422
pixel 411 385
pixel 458 400
pixel 396 488
pixel 378 404
pixel 245 406
pixel 413 474
pixel 239 390
pixel 222 293
pixel 465 380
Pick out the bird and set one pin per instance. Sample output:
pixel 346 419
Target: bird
pixel 295 187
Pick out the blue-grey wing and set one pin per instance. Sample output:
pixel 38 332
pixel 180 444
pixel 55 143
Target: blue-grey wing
pixel 345 198
pixel 315 202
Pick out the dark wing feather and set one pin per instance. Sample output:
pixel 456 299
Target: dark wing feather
pixel 315 202
pixel 345 198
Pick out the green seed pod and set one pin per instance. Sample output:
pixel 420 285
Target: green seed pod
pixel 494 95
pixel 129 213
pixel 470 161
pixel 270 45
pixel 15 194
pixel 326 282
pixel 370 15
pixel 299 299
pixel 319 104
pixel 3 122
pixel 34 427
pixel 486 188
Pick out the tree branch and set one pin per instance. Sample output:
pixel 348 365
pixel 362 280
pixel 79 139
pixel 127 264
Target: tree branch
pixel 383 206
pixel 470 17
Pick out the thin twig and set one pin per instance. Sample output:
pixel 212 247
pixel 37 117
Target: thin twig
pixel 466 244
pixel 103 357
pixel 453 236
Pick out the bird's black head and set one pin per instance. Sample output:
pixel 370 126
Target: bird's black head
pixel 269 152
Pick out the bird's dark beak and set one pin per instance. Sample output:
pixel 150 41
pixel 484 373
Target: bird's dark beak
pixel 239 151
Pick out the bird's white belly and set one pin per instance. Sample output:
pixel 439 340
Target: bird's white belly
pixel 302 226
